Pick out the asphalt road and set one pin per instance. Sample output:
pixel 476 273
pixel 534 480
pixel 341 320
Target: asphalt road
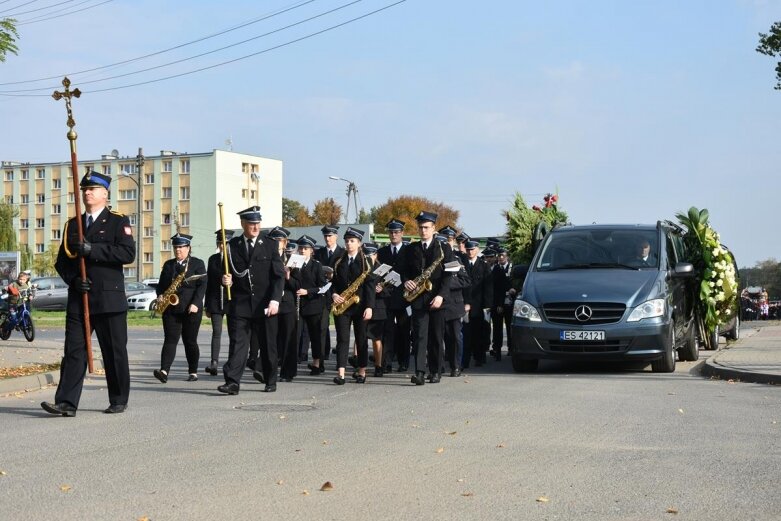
pixel 566 443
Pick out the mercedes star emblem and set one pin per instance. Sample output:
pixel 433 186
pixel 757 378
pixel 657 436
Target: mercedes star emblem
pixel 583 313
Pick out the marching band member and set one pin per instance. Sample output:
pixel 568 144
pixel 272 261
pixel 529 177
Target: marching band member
pixel 455 309
pixel 287 345
pixel 215 303
pixel 256 278
pixel 502 307
pixel 352 279
pixel 182 315
pixel 477 298
pixel 327 256
pixel 310 301
pixel 376 326
pixel 397 325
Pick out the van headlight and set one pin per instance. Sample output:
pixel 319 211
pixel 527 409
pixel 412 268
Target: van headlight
pixel 526 311
pixel 649 309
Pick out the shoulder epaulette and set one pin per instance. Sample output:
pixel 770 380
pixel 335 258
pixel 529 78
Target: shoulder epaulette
pixel 117 213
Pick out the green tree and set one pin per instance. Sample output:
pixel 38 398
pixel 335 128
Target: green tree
pixel 8 37
pixel 365 217
pixel 295 214
pixel 25 258
pixel 770 45
pixel 522 222
pixel 406 207
pixel 326 211
pixel 765 274
pixel 43 263
pixel 7 231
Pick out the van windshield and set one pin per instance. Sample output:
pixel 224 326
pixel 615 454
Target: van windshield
pixel 601 248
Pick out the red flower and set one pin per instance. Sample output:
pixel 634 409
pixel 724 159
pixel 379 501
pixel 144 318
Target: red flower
pixel 555 198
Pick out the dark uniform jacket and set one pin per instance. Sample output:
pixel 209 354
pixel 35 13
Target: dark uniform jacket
pixel 189 292
pixel 345 274
pixel 380 308
pixel 501 280
pixel 385 256
pixel 480 294
pixel 311 278
pixel 454 304
pixel 321 255
pixel 288 302
pixel 416 260
pixel 216 296
pixel 113 246
pixel 266 273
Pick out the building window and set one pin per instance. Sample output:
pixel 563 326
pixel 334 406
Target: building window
pixel 40 223
pixel 40 174
pixel 149 205
pixel 57 183
pixel 71 199
pixel 9 199
pixel 184 193
pixel 165 192
pixel 243 193
pixel 128 272
pixel 24 224
pixel 128 195
pixel 184 219
pixel 132 219
pixel 128 168
pixel 252 194
pixel 25 175
pixel 56 209
pixel 149 179
pixel 39 248
pixel 70 172
pixel 9 175
pixel 166 218
pixel 40 198
pixel 168 166
pixel 165 246
pixel 25 198
pixel 106 169
pixel 56 235
pixel 149 231
pixel 148 257
pixel 185 167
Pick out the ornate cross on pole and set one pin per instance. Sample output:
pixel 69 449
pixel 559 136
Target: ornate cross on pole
pixel 68 95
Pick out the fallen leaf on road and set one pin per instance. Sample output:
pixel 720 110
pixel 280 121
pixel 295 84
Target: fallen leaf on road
pixel 467 494
pixel 305 492
pixel 3 473
pixel 680 411
pixel 440 450
pixel 325 442
pixel 670 394
pixel 327 487
pixel 672 510
pixel 280 482
pixel 100 371
pixel 299 450
pixel 65 488
pixel 144 519
pixel 500 446
pixel 542 499
pixel 460 480
pixel 282 416
pixel 773 422
pixel 452 433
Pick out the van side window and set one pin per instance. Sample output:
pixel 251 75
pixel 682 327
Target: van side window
pixel 672 254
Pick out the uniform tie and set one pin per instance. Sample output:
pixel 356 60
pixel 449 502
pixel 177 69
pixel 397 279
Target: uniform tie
pixel 250 247
pixel 395 251
pixel 425 246
pixel 89 221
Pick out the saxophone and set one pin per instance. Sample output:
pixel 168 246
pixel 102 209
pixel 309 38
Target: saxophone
pixel 423 281
pixel 350 295
pixel 169 296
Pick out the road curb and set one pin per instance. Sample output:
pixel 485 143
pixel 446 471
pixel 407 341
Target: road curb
pixel 713 368
pixel 35 382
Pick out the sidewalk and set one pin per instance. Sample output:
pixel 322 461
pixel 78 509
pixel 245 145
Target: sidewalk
pixel 755 358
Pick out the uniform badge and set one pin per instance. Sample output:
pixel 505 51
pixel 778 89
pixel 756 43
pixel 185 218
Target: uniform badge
pixel 128 230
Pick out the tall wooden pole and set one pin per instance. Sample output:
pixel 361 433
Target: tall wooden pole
pixel 68 95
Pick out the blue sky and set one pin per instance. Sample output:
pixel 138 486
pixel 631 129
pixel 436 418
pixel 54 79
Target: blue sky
pixel 632 110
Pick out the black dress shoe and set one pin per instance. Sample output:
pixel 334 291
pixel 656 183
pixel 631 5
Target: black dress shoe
pixel 402 369
pixel 229 388
pixel 360 379
pixel 116 408
pixel 455 372
pixel 62 409
pixel 211 368
pixel 436 378
pixel 160 375
pixel 257 375
pixel 388 369
pixel 378 371
pixel 192 378
pixel 315 370
pixel 418 379
pixel 270 388
pixel 251 364
pixel 285 379
pixel 339 380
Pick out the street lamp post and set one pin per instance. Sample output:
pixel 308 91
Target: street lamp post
pixel 139 241
pixel 351 189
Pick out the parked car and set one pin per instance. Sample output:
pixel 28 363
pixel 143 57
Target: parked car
pixel 52 293
pixel 151 282
pixel 590 295
pixel 142 301
pixel 134 288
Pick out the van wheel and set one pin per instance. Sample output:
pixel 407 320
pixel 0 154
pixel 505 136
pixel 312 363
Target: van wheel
pixel 734 333
pixel 714 338
pixel 524 366
pixel 666 364
pixel 690 351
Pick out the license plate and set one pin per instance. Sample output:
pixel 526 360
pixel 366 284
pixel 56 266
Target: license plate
pixel 582 335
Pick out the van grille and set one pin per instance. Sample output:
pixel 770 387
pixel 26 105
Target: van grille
pixel 608 346
pixel 601 313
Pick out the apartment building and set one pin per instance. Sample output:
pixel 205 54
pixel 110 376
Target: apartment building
pixel 160 195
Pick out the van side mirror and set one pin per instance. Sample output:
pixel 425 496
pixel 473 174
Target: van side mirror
pixel 684 270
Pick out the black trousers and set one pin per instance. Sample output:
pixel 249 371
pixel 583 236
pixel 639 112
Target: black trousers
pixel 325 333
pixel 396 338
pixel 313 326
pixel 428 344
pixel 111 330
pixel 216 319
pixel 241 331
pixel 186 327
pixel 343 346
pixel 475 332
pixel 287 344
pixel 454 344
pixel 501 321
